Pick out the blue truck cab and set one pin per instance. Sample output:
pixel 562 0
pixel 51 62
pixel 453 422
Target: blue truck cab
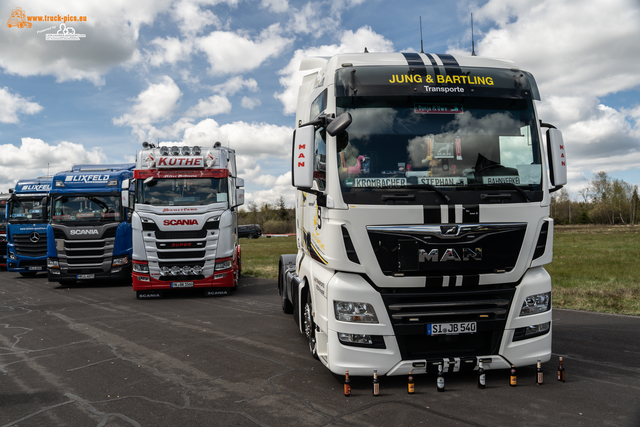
pixel 26 215
pixel 89 234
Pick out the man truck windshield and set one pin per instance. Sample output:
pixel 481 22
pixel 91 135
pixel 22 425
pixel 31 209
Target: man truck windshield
pixel 400 142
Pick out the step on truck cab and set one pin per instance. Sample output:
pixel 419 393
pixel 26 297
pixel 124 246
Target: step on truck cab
pixel 27 226
pixel 185 220
pixel 422 214
pixel 89 233
pixel 4 200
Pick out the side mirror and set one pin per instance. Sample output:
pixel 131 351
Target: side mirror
pixel 339 124
pixel 240 197
pixel 239 182
pixel 302 157
pixel 557 158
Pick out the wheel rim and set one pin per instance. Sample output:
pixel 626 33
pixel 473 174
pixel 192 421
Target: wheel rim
pixel 309 328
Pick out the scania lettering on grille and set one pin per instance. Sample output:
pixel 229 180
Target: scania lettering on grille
pixel 180 222
pixel 83 232
pixel 450 255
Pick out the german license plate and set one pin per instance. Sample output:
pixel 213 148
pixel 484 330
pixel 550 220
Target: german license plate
pixel 452 328
pixel 35 268
pixel 85 276
pixel 182 284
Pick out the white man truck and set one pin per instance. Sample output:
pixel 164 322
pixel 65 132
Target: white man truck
pixel 422 214
pixel 185 220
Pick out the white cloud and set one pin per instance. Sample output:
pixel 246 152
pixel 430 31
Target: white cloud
pixel 168 51
pixel 250 103
pixel 211 106
pixel 234 85
pixel 229 52
pixel 191 18
pixel 349 42
pixel 259 139
pixel 111 30
pixel 277 6
pixel 35 158
pixel 11 105
pixel 276 187
pixel 154 104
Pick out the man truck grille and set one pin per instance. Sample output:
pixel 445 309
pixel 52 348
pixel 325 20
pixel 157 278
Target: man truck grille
pixel 412 312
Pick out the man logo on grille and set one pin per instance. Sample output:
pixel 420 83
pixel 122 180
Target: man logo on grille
pixel 34 237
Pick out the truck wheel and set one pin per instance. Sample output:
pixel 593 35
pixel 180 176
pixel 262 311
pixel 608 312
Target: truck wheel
pixel 287 307
pixel 309 327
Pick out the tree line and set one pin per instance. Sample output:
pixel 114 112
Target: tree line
pixel 272 218
pixel 603 201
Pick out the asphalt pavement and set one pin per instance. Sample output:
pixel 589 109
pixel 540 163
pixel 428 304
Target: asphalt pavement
pixel 93 354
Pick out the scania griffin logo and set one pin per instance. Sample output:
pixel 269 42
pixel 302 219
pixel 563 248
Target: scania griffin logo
pixel 450 255
pixel 83 232
pixel 180 222
pixel 34 237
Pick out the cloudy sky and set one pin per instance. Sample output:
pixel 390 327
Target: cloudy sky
pixel 200 71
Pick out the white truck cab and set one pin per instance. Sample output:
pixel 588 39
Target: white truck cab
pixel 422 214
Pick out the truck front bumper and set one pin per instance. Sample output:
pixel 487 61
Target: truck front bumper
pixel 361 360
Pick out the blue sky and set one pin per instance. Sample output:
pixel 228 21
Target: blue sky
pixel 200 71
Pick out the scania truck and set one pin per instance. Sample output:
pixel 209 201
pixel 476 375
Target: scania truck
pixel 89 233
pixel 422 214
pixel 27 226
pixel 185 220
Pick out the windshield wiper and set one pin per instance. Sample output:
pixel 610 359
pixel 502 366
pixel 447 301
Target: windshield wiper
pixel 500 186
pixel 431 188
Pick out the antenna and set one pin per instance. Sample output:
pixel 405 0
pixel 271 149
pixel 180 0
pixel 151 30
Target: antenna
pixel 473 44
pixel 421 47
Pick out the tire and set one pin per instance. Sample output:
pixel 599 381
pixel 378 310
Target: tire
pixel 287 307
pixel 28 273
pixel 309 327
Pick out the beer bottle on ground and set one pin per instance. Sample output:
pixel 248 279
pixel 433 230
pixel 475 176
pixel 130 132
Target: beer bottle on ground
pixel 513 378
pixel 560 370
pixel 376 383
pixel 411 388
pixel 440 381
pixel 539 377
pixel 347 384
pixel 482 378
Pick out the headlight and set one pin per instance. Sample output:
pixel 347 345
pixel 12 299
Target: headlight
pixel 531 331
pixel 534 304
pixel 164 271
pixel 361 312
pixel 223 265
pixel 197 270
pixel 12 256
pixel 120 261
pixel 141 268
pixel 52 263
